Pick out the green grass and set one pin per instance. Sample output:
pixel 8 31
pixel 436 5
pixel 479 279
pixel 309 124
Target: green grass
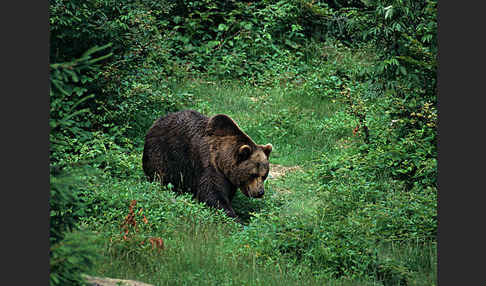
pixel 195 252
pixel 282 116
pixel 203 247
pixel 194 257
pixel 314 226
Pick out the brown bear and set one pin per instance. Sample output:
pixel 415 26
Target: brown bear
pixel 208 157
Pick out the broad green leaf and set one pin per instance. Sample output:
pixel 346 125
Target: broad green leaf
pixel 212 44
pixel 222 27
pixel 388 12
pixel 403 70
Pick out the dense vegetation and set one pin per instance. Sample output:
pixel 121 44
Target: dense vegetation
pixel 345 89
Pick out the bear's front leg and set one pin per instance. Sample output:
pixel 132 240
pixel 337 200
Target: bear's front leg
pixel 218 200
pixel 224 205
pixel 217 192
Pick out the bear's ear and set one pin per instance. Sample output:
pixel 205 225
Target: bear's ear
pixel 267 149
pixel 244 152
pixel 222 125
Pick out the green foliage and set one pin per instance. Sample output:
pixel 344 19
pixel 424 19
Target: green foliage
pixel 334 224
pixel 69 103
pixel 326 229
pixel 75 26
pixel 346 89
pixel 65 206
pixel 394 101
pixel 72 252
pixel 74 255
pixel 107 60
pixel 333 227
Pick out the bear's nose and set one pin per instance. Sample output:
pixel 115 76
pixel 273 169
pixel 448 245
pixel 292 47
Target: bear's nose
pixel 261 192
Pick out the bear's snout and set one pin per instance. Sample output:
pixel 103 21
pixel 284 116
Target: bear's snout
pixel 253 193
pixel 260 193
pixel 255 188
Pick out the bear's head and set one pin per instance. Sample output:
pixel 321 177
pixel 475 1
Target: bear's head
pixel 232 152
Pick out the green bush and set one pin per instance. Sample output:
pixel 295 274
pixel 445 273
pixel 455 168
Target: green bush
pixel 71 257
pixel 108 59
pixel 72 252
pixel 336 232
pixel 69 102
pixel 65 206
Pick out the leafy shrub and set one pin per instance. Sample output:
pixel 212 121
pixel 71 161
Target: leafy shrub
pixel 65 206
pixel 72 252
pixel 69 102
pixel 337 234
pixel 108 60
pixel 336 249
pixel 71 257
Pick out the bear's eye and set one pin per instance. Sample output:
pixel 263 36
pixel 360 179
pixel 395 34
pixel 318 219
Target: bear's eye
pixel 254 176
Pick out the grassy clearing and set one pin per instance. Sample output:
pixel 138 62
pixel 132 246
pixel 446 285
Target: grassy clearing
pixel 327 223
pixel 195 250
pixel 202 247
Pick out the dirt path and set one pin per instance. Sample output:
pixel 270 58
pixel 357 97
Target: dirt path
pixel 279 170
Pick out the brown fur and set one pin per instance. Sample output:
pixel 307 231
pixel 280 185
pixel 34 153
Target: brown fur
pixel 208 157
